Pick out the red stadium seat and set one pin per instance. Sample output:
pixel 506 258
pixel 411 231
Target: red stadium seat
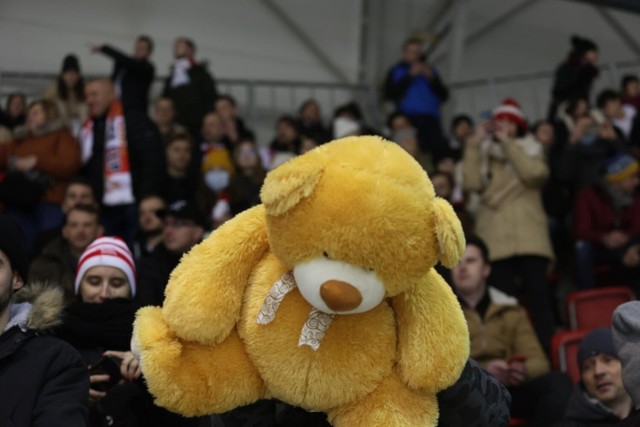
pixel 564 350
pixel 593 308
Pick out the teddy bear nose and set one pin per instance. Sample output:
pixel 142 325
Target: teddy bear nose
pixel 340 296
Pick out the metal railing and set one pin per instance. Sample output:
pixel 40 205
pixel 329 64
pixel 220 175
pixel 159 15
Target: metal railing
pixel 263 101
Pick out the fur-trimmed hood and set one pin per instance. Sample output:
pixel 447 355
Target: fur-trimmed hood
pixel 37 307
pixel 51 126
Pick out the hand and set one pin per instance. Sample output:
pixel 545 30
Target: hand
pixel 631 257
pixel 499 369
pixel 580 129
pixel 25 164
pixel 129 366
pixel 95 48
pixel 480 134
pixel 606 131
pixel 427 70
pixel 517 373
pixel 415 69
pixel 95 395
pixel 615 239
pixel 501 133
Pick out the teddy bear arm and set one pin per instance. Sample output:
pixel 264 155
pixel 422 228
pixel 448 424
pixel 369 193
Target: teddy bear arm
pixel 194 379
pixel 205 291
pixel 433 338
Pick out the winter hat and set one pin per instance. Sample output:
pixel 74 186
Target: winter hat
pixel 581 45
pixel 107 252
pixel 183 209
pixel 12 244
pixel 510 110
pixel 626 337
pixel 598 341
pixel 218 158
pixel 70 63
pixel 620 167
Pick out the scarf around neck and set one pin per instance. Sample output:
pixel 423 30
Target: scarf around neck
pixel 118 184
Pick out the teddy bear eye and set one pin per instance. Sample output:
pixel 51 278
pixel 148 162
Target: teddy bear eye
pixel 326 255
pixel 370 269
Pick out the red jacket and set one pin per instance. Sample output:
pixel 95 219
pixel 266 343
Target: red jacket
pixel 594 215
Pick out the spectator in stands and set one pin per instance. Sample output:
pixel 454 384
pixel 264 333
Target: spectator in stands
pixel 39 163
pixel 182 183
pixel 244 190
pixel 132 75
pixel 184 227
pixel 43 380
pixel 599 398
pixel 574 77
pixel 99 325
pixel 606 219
pixel 504 343
pixel 309 141
pixel 190 86
pixel 408 140
pixel 397 122
pixel 506 165
pixel 630 91
pixel 213 135
pixel 556 193
pixel 415 87
pixel 15 113
pixel 234 127
pixel 461 129
pixel 612 111
pixel 164 115
pixel 284 145
pixel 310 120
pixel 348 120
pixel 150 236
pixel 213 194
pixel 444 186
pixel 78 192
pixel 122 158
pixel 67 92
pixel 59 258
pixel 626 331
pixel 568 117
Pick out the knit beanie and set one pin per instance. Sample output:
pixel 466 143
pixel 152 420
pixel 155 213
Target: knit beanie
pixel 620 167
pixel 13 245
pixel 107 252
pixel 598 341
pixel 626 337
pixel 70 63
pixel 510 110
pixel 218 158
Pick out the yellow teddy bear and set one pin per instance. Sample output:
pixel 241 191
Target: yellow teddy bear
pixel 323 297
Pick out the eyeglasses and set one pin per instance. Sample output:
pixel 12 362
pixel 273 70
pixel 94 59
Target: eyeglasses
pixel 178 222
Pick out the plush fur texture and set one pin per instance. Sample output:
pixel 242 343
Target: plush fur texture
pixel 360 200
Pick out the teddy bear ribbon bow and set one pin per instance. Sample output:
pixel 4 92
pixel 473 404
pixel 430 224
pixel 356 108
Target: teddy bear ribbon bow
pixel 317 322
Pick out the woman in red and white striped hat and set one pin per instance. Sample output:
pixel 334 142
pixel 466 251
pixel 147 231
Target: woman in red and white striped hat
pixel 105 270
pixel 506 165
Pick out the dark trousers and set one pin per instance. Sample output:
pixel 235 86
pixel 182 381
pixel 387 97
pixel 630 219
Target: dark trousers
pixel 531 270
pixel 430 136
pixel 543 400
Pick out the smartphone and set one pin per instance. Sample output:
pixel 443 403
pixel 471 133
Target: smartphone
pixel 106 366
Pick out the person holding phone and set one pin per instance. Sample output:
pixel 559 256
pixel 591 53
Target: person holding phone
pixel 99 325
pixel 505 165
pixel 503 341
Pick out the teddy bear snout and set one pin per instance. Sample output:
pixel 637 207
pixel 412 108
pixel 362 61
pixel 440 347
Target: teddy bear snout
pixel 340 296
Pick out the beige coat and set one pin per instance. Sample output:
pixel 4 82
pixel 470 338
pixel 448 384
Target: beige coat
pixel 509 178
pixel 505 332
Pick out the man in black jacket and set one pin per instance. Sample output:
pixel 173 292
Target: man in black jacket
pixel 132 75
pixel 43 380
pixel 190 86
pixel 122 158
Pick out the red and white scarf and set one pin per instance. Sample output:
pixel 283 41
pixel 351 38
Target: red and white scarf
pixel 118 188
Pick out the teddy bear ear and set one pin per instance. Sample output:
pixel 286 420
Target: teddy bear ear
pixel 289 184
pixel 451 242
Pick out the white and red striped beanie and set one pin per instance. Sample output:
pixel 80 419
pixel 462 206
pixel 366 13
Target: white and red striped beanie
pixel 108 252
pixel 510 110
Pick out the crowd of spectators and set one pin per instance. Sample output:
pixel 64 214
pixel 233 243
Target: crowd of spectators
pixel 557 197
